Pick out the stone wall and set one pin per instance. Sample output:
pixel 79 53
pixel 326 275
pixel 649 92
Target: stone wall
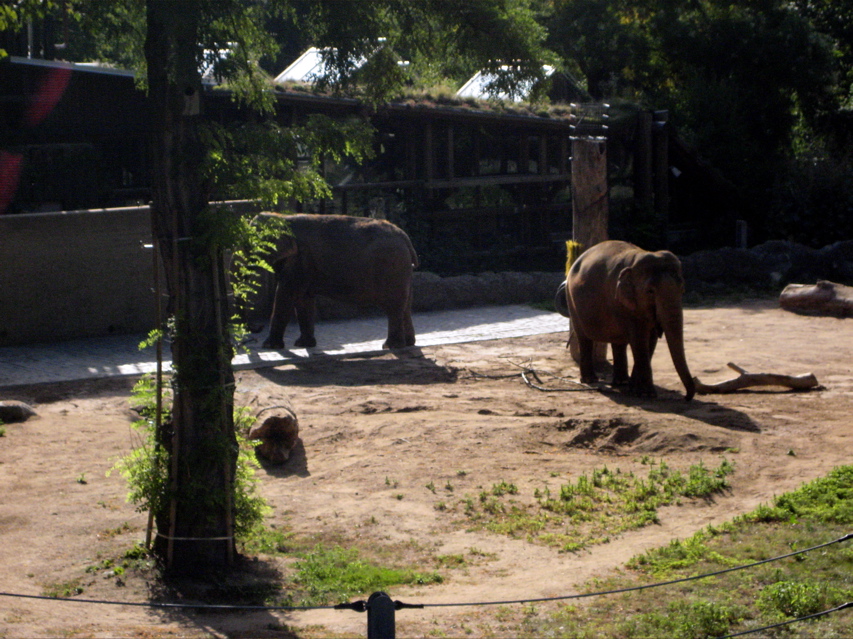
pixel 75 274
pixel 88 274
pixel 767 267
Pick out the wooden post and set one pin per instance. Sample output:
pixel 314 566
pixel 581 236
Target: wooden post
pixel 660 144
pixel 643 191
pixel 590 212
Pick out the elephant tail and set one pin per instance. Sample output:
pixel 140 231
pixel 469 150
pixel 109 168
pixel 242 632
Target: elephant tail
pixel 414 255
pixel 561 302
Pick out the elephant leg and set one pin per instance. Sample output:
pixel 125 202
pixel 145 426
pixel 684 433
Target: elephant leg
pixel 587 364
pixel 408 325
pixel 641 375
pixel 620 364
pixel 306 315
pixel 409 329
pixel 282 312
pixel 396 328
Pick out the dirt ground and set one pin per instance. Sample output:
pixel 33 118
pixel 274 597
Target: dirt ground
pixel 376 431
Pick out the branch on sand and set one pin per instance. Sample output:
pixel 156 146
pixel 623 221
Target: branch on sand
pixel 747 380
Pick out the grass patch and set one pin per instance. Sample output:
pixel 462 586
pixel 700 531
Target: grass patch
pixel 327 575
pixel 63 589
pixel 592 509
pixel 818 512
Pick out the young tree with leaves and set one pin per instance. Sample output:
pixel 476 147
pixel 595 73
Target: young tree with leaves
pixel 197 529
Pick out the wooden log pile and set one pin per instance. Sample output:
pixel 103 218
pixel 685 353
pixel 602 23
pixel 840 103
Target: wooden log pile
pixel 276 427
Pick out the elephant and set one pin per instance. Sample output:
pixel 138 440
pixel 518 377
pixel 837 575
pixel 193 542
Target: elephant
pixel 620 294
pixel 352 259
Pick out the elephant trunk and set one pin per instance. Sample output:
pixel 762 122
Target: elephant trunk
pixel 671 319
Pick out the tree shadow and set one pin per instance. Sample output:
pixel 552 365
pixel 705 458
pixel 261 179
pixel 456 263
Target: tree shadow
pixel 390 367
pixel 249 586
pixel 672 402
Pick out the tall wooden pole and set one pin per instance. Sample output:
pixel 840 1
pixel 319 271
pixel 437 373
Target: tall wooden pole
pixel 590 209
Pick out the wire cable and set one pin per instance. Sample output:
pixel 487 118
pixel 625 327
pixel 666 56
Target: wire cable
pixel 846 537
pixel 358 606
pixel 849 604
pixel 167 605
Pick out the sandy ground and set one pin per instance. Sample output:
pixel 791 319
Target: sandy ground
pixel 379 431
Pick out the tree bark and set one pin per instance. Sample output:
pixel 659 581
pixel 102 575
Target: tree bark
pixel 195 528
pixel 590 212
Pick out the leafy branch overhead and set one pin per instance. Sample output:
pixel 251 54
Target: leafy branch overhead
pixel 279 165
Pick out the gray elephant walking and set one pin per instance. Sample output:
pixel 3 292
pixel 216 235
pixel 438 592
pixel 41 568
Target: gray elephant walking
pixel 620 294
pixel 351 259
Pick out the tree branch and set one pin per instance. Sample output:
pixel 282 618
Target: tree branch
pixel 747 380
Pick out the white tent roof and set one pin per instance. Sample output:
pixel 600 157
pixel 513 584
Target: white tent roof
pixel 476 86
pixel 307 67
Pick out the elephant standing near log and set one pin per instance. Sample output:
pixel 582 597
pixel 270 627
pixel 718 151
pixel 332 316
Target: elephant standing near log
pixel 359 260
pixel 620 294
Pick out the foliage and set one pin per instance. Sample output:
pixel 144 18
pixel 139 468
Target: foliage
pixel 278 165
pixel 438 38
pixel 338 574
pixel 738 78
pixel 146 468
pixel 793 598
pixel 592 509
pixel 737 601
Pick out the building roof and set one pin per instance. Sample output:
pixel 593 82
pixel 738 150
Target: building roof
pixel 308 67
pixel 477 86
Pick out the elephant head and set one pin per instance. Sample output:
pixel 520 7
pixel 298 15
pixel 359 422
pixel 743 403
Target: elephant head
pixel 651 290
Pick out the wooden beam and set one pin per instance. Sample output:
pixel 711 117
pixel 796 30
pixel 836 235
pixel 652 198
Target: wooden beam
pixel 590 217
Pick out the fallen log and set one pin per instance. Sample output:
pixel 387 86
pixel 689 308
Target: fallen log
pixel 823 298
pixel 747 380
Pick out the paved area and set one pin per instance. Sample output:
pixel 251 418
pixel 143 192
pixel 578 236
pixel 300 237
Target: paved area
pixel 120 355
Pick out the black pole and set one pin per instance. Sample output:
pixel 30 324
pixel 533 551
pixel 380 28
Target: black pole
pixel 380 617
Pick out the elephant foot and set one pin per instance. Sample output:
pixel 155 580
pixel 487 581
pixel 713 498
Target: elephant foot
pixel 589 379
pixel 392 345
pixel 644 391
pixel 305 342
pixel 274 344
pixel 621 381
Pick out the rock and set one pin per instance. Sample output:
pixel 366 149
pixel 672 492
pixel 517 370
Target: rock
pixel 13 411
pixel 726 267
pixel 823 298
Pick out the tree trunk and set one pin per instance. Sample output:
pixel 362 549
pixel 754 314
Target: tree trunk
pixel 195 527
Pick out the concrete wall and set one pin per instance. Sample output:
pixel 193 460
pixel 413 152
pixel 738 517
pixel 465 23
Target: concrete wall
pixel 75 274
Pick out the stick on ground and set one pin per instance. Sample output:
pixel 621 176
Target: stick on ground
pixel 747 380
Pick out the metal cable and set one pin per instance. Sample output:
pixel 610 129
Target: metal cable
pixel 846 537
pixel 849 604
pixel 358 605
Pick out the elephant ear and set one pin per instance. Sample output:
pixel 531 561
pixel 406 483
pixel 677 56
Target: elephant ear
pixel 625 290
